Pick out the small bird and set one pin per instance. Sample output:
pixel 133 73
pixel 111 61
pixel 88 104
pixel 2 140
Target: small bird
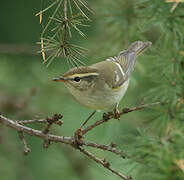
pixel 101 86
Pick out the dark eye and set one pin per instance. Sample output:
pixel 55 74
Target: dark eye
pixel 77 79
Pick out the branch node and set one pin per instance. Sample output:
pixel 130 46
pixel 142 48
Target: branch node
pixel 47 128
pixel 66 140
pixel 54 119
pixel 106 164
pixel 50 120
pixel 78 138
pixel 113 145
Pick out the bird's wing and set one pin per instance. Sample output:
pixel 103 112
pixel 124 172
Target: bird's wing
pixel 127 61
pixel 118 75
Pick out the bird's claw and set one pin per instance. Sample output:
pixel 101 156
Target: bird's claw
pixel 78 136
pixel 116 114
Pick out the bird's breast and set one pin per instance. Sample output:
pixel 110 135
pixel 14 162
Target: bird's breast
pixel 104 98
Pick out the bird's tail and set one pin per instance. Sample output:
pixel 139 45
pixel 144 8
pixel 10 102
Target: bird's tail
pixel 138 47
pixel 127 58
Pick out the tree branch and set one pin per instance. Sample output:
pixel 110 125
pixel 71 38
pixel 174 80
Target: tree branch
pixel 103 147
pixel 55 119
pixel 109 116
pixel 104 163
pixel 31 121
pixel 62 139
pixel 15 49
pixel 18 127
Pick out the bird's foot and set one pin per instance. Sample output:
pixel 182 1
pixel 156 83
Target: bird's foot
pixel 78 136
pixel 116 113
pixel 107 116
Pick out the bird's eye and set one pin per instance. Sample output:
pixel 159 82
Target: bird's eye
pixel 77 79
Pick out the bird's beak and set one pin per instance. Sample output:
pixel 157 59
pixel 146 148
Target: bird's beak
pixel 60 79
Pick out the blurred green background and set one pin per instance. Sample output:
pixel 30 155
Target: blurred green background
pixel 26 91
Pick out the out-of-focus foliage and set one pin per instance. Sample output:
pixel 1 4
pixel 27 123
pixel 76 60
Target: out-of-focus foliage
pixel 152 138
pixel 158 146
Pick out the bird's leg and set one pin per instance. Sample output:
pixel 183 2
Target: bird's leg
pixel 116 112
pixel 91 115
pixel 78 133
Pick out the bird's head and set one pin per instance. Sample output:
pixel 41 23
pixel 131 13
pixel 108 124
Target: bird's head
pixel 79 78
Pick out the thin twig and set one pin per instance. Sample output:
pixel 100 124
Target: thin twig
pixel 104 163
pixel 66 140
pixel 15 49
pixel 62 139
pixel 110 116
pixel 103 147
pixel 22 138
pixel 51 120
pixel 32 121
pixel 47 128
pixel 18 127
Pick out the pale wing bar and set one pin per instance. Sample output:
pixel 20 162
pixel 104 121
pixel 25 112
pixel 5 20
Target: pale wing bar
pixel 127 60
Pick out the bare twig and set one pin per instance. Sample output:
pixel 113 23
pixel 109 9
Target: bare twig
pixel 18 127
pixel 104 163
pixel 62 139
pixel 15 49
pixel 22 138
pixel 54 119
pixel 48 138
pixel 110 116
pixel 47 128
pixel 51 120
pixel 32 121
pixel 103 147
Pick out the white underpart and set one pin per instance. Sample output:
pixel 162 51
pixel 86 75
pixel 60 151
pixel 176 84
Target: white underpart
pixel 105 99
